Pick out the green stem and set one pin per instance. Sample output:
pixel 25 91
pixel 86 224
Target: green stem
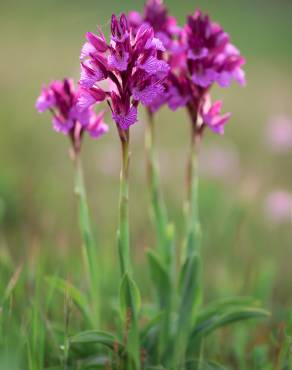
pixel 89 249
pixel 123 228
pixel 159 213
pixel 192 207
pixel 131 322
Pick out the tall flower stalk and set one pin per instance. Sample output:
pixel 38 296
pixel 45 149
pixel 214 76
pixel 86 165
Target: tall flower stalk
pixel 123 227
pixel 90 253
pixel 60 97
pixel 135 74
pixel 193 228
pixel 128 288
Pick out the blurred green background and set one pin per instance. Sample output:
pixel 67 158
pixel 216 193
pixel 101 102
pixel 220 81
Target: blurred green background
pixel 244 252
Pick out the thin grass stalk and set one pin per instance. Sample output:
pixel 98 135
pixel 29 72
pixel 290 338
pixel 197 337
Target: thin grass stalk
pixel 88 246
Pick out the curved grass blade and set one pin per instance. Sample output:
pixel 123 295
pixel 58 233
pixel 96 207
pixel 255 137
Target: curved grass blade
pixel 151 326
pixel 220 320
pixel 11 285
pixel 222 305
pixel 76 295
pixel 96 337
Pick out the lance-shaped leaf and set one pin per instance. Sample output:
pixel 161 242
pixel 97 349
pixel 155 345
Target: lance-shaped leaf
pixel 190 291
pixel 96 337
pixel 217 321
pixel 129 297
pixel 225 304
pixel 162 284
pixel 160 278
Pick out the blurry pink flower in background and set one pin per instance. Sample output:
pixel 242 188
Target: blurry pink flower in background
pixel 278 206
pixel 279 133
pixel 220 162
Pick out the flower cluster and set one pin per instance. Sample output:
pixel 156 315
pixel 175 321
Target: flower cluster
pixel 210 55
pixel 168 32
pixel 149 60
pixel 130 65
pixel 156 16
pixel 200 54
pixel 60 98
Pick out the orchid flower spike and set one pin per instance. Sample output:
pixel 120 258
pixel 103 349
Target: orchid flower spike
pixel 129 63
pixel 60 97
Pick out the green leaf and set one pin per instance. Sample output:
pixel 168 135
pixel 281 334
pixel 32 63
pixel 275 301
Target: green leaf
pixel 204 365
pixel 129 297
pixel 11 284
pixel 150 326
pixel 160 278
pixel 190 291
pixel 130 303
pixel 217 321
pixel 95 362
pixel 96 337
pixel 162 283
pixel 222 305
pixel 77 296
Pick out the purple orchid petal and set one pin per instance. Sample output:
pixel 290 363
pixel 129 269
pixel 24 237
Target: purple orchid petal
pixel 205 78
pixel 88 97
pixel 97 127
pixel 198 54
pixel 211 117
pixel 63 126
pixel 118 62
pixel 148 94
pixel 89 76
pixel 97 42
pixel 86 50
pixel 176 99
pixel 126 120
pixel 239 76
pixel 155 43
pixel 154 66
pixel 46 100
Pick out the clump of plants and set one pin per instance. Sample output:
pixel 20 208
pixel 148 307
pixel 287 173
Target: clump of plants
pixel 150 61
